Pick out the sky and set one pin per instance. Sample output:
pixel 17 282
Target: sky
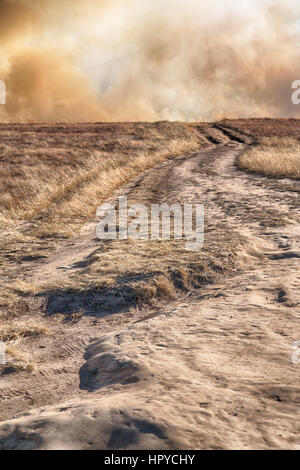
pixel 142 60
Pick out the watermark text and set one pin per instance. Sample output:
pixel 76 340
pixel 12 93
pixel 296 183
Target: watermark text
pixel 296 354
pixel 160 222
pixel 2 92
pixel 2 353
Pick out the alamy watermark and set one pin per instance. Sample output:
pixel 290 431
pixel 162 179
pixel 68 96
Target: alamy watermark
pixel 296 94
pixel 2 92
pixel 296 354
pixel 161 222
pixel 2 353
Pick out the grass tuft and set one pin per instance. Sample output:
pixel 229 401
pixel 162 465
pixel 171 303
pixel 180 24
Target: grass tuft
pixel 277 157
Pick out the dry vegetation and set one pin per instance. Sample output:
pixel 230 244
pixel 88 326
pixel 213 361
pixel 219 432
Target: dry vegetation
pixel 129 274
pixel 232 300
pixel 55 176
pixel 12 333
pixel 275 156
pixel 52 179
pixel 259 128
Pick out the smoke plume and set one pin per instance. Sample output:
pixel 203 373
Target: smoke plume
pixel 69 60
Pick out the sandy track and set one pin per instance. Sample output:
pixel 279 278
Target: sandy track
pixel 212 372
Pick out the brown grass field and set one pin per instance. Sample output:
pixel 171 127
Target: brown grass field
pixel 57 278
pixel 278 157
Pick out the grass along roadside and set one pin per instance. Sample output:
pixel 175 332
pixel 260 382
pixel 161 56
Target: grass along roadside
pixel 277 157
pixel 76 199
pixel 53 182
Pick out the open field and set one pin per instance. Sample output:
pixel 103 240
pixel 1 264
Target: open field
pixel 142 344
pixel 56 175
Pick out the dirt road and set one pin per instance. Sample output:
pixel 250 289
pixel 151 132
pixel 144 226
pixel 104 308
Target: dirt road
pixel 211 371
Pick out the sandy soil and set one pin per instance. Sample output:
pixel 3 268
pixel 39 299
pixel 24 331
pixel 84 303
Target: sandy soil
pixel 212 371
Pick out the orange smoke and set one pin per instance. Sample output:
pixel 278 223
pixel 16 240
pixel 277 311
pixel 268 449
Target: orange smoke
pixel 70 60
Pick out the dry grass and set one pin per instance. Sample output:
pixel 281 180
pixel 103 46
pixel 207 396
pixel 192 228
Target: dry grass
pixel 133 273
pixel 18 361
pixel 54 177
pixel 14 332
pixel 278 157
pixel 264 127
